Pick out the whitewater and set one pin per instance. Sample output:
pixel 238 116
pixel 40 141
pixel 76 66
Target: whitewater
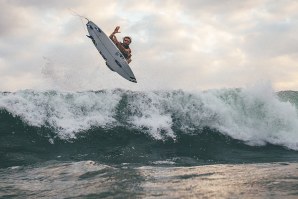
pixel 253 116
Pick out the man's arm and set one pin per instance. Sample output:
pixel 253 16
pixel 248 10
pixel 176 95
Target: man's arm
pixel 113 37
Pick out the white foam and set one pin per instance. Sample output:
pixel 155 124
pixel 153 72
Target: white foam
pixel 66 112
pixel 151 117
pixel 257 116
pixel 254 115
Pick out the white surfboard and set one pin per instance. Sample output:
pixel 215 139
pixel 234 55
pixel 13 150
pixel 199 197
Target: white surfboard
pixel 109 52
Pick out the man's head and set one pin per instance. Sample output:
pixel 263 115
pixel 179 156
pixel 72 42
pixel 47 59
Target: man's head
pixel 127 40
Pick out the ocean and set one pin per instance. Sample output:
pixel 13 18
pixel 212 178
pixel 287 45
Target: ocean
pixel 220 143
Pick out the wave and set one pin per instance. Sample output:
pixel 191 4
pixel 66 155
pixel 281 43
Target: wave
pixel 253 116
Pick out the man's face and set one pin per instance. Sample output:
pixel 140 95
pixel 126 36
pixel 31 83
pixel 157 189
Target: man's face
pixel 126 41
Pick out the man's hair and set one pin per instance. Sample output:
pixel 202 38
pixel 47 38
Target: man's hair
pixel 128 38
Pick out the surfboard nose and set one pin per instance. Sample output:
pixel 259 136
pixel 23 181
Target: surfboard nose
pixel 89 25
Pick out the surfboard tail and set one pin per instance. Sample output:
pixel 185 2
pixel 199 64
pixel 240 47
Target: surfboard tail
pixel 132 79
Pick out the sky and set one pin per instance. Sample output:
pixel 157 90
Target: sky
pixel 176 44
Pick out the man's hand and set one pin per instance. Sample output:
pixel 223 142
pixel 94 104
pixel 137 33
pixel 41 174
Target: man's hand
pixel 116 30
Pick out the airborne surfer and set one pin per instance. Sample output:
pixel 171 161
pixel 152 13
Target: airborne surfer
pixel 116 56
pixel 122 46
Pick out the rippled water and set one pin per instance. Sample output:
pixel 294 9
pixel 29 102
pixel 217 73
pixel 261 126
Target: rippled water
pixel 88 179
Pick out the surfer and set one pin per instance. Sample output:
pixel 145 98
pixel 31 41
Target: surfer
pixel 123 47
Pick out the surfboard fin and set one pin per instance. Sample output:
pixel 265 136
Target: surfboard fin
pixel 89 36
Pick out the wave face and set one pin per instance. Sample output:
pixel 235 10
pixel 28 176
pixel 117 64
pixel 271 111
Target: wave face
pixel 200 124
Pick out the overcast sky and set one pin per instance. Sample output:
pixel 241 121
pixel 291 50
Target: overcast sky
pixel 176 44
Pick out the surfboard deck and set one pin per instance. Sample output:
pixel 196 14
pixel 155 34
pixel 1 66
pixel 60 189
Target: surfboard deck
pixel 115 61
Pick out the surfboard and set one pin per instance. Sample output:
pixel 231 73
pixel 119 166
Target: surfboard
pixel 110 53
